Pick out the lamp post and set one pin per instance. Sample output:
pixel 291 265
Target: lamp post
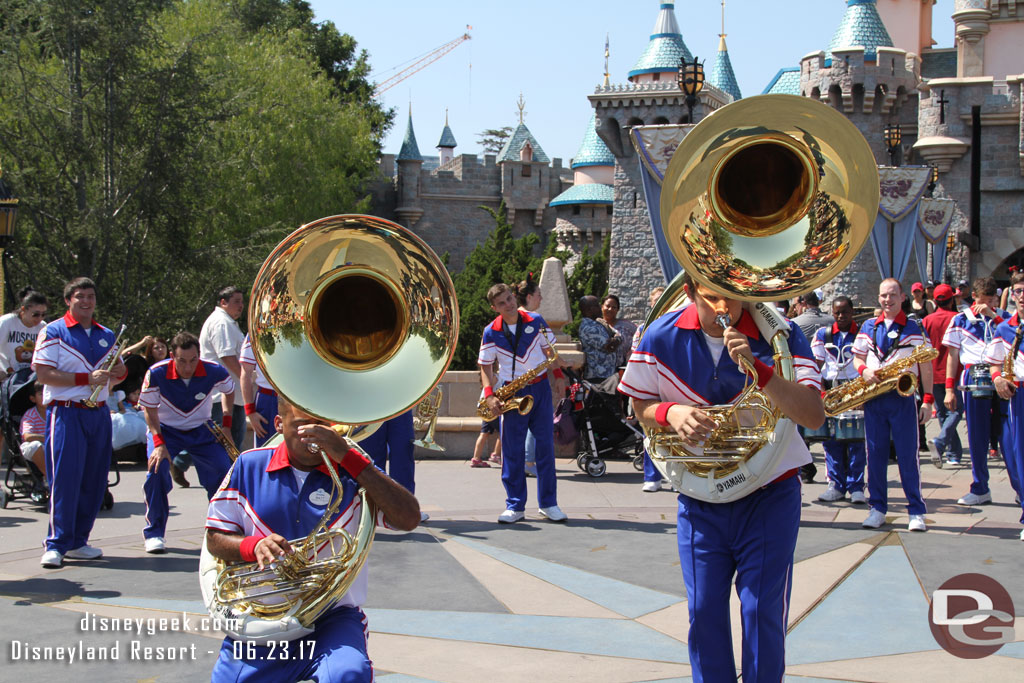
pixel 8 214
pixel 690 78
pixel 892 135
pixel 933 179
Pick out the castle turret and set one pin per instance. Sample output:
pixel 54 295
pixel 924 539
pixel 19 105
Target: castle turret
pixel 585 209
pixel 527 181
pixel 409 164
pixel 446 146
pixel 660 61
pixel 722 75
pixel 861 26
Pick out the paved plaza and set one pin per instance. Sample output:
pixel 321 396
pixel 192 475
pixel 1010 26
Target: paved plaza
pixel 464 600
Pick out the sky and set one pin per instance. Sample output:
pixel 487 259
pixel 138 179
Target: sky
pixel 553 53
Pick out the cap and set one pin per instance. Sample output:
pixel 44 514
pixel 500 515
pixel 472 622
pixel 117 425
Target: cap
pixel 943 292
pixel 916 286
pixel 931 283
pixel 963 283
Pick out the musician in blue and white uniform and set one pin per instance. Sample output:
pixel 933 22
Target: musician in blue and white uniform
pixel 882 341
pixel 995 355
pixel 967 337
pixel 177 396
pixel 70 360
pixel 259 395
pixel 833 350
pixel 515 339
pixel 276 494
pixel 686 361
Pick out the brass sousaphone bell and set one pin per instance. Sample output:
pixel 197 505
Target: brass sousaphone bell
pixel 352 319
pixel 765 199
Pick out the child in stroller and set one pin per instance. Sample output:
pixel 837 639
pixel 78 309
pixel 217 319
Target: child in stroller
pixel 604 431
pixel 24 428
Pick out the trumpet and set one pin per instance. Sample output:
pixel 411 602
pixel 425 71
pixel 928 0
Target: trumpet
pixel 427 411
pixel 223 439
pixel 115 355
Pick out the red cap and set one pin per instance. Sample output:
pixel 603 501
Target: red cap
pixel 916 286
pixel 943 292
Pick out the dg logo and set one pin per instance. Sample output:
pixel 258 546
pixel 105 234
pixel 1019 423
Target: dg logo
pixel 971 616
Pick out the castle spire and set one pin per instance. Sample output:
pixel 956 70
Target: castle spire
pixel 607 80
pixel 722 75
pixel 666 47
pixel 861 27
pixel 410 150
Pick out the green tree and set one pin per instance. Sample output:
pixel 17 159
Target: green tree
pixel 493 139
pixel 589 276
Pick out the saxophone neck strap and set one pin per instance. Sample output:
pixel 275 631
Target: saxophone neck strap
pixel 513 340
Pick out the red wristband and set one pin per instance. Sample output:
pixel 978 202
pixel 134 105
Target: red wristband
pixel 661 415
pixel 225 421
pixel 929 398
pixel 158 440
pixel 355 462
pixel 996 373
pixel 250 408
pixel 488 391
pixel 557 372
pixel 247 548
pixel 764 372
pixel 950 383
pixel 997 320
pixel 862 369
pixel 81 378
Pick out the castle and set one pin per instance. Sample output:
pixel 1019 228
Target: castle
pixel 958 109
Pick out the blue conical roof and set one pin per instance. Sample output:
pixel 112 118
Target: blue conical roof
pixel 410 150
pixel 786 82
pixel 593 151
pixel 447 138
pixel 666 48
pixel 722 75
pixel 520 136
pixel 589 193
pixel 861 26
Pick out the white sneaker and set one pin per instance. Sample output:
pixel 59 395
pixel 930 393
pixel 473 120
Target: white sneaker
pixel 85 552
pixel 155 545
pixel 831 494
pixel 52 559
pixel 652 486
pixel 858 498
pixel 874 519
pixel 1022 534
pixel 553 514
pixel 975 499
pixel 510 516
pixel 933 450
pixel 916 523
pixel 424 516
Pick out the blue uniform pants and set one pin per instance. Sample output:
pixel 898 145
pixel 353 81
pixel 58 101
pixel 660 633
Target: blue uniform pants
pixel 211 461
pixel 391 449
pixel 752 538
pixel 334 653
pixel 540 421
pixel 980 427
pixel 266 406
pixel 651 472
pixel 1012 446
pixel 845 462
pixel 78 454
pixel 891 416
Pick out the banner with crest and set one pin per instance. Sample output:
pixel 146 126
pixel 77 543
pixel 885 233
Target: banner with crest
pixel 892 238
pixel 934 216
pixel 654 147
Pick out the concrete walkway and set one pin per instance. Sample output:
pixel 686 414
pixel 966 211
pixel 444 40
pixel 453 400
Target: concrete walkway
pixel 599 599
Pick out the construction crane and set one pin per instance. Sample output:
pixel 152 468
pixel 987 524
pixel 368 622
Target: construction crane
pixel 422 62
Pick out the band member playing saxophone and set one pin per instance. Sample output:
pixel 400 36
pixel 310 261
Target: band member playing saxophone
pixel 517 341
pixel 177 396
pixel 275 494
pixel 686 361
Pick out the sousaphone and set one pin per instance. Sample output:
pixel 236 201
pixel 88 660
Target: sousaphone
pixel 352 319
pixel 765 199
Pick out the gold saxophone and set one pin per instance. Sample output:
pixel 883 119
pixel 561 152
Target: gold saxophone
pixel 223 439
pixel 1010 357
pixel 898 376
pixel 507 394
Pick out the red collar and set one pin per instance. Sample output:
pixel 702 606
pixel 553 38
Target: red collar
pixel 1015 320
pixel 70 321
pixel 496 324
pixel 172 370
pixel 279 460
pixel 689 320
pixel 853 328
pixel 901 318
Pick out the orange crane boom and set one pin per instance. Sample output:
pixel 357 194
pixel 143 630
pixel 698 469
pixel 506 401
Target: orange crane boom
pixel 422 63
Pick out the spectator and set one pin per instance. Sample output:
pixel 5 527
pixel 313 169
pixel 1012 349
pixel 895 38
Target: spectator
pixel 600 345
pixel 127 425
pixel 19 330
pixel 652 477
pixel 811 318
pixel 947 445
pixel 33 429
pixel 920 304
pixel 963 295
pixel 610 306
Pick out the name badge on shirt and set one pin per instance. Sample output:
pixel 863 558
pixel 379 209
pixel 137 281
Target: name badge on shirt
pixel 529 330
pixel 893 334
pixel 319 497
pixel 104 343
pixel 200 396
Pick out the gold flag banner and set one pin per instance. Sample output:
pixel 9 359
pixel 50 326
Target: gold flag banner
pixel 655 145
pixel 934 217
pixel 901 188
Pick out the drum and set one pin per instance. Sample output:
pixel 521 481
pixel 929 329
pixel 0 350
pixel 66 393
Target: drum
pixel 848 426
pixel 979 379
pixel 822 433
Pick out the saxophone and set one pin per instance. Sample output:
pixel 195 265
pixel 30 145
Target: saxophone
pixel 898 376
pixel 1008 362
pixel 507 394
pixel 223 440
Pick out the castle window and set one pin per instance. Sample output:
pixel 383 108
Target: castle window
pixel 656 77
pixel 609 211
pixel 575 209
pixel 527 170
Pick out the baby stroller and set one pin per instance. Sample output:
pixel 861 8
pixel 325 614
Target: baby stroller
pixel 603 429
pixel 22 479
